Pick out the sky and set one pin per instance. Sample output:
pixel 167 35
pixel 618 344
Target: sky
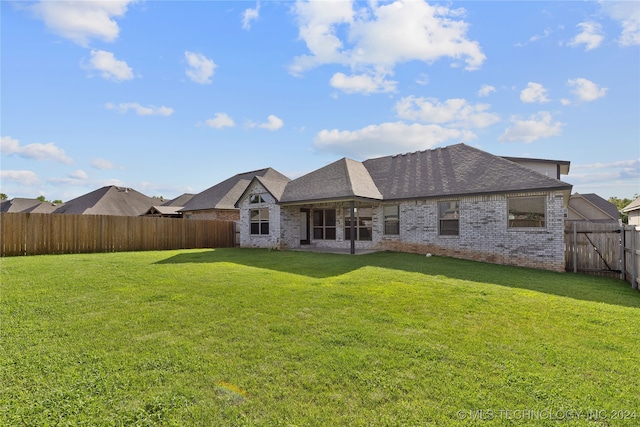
pixel 170 97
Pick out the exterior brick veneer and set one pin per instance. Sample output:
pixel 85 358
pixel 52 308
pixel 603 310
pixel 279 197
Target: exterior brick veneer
pixel 484 233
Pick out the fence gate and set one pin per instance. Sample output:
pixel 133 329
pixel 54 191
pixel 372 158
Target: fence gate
pixel 593 248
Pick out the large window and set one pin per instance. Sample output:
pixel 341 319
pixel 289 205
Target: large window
pixel 324 224
pixel 449 218
pixel 363 223
pixel 260 221
pixel 391 219
pixel 527 211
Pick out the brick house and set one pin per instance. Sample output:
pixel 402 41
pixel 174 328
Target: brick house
pixel 454 201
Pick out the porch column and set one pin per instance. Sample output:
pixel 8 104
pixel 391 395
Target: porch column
pixel 352 231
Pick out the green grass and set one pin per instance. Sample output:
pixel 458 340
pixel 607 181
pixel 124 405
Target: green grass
pixel 251 337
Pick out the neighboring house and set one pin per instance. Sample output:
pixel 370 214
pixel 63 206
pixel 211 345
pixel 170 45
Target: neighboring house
pixel 633 212
pixel 592 208
pixel 109 200
pixel 170 208
pixel 28 206
pixel 218 202
pixel 454 201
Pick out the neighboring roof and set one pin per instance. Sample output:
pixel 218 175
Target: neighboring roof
pixel 109 200
pixel 164 210
pixel 19 204
pixel 225 194
pixel 633 206
pixel 179 201
pixel 454 171
pixel 564 164
pixel 601 204
pixel 343 179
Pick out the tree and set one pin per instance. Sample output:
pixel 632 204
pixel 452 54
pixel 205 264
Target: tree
pixel 41 198
pixel 620 204
pixel 3 196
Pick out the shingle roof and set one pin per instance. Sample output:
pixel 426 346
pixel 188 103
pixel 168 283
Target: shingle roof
pixel 225 194
pixel 179 201
pixel 109 200
pixel 635 205
pixel 605 206
pixel 163 210
pixel 343 179
pixel 19 204
pixel 453 171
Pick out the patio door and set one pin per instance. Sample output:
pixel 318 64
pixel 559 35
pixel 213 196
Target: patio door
pixel 304 227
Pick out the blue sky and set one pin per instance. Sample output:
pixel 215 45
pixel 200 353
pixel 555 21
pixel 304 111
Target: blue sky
pixel 172 97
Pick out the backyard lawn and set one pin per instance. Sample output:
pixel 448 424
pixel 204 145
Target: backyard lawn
pixel 248 337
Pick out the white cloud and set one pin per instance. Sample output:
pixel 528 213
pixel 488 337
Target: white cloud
pixel 627 13
pixel 273 123
pixel 81 21
pixel 587 90
pixel 79 174
pixel 547 32
pixel 362 83
pixel 386 138
pixel 21 177
pixel 485 90
pixel 537 126
pixel 102 164
pixel 591 35
pixel 565 101
pixel 454 112
pixel 373 38
pixel 423 79
pixel 151 110
pixel 250 15
pixel 199 68
pixel 110 68
pixel 221 120
pixel 36 151
pixel 534 92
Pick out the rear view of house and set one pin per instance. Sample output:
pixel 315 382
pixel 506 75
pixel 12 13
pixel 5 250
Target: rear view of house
pixel 455 201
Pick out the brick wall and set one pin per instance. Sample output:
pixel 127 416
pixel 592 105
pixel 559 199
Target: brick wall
pixel 484 234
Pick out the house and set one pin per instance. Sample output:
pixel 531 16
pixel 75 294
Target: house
pixel 170 208
pixel 633 212
pixel 109 200
pixel 218 202
pixel 592 208
pixel 454 201
pixel 24 205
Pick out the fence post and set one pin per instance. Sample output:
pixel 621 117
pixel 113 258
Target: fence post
pixel 634 258
pixel 623 260
pixel 575 248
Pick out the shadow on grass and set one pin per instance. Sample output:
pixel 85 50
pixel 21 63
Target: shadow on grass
pixel 324 265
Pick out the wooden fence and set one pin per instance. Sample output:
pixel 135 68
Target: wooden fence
pixel 34 234
pixel 603 250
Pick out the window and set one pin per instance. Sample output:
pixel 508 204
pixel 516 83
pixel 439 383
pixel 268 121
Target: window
pixel 449 218
pixel 391 219
pixel 324 224
pixel 259 221
pixel 256 198
pixel 363 223
pixel 527 211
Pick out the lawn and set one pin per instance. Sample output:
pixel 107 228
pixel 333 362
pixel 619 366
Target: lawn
pixel 235 337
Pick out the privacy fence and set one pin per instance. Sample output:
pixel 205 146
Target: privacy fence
pixel 603 250
pixel 34 234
